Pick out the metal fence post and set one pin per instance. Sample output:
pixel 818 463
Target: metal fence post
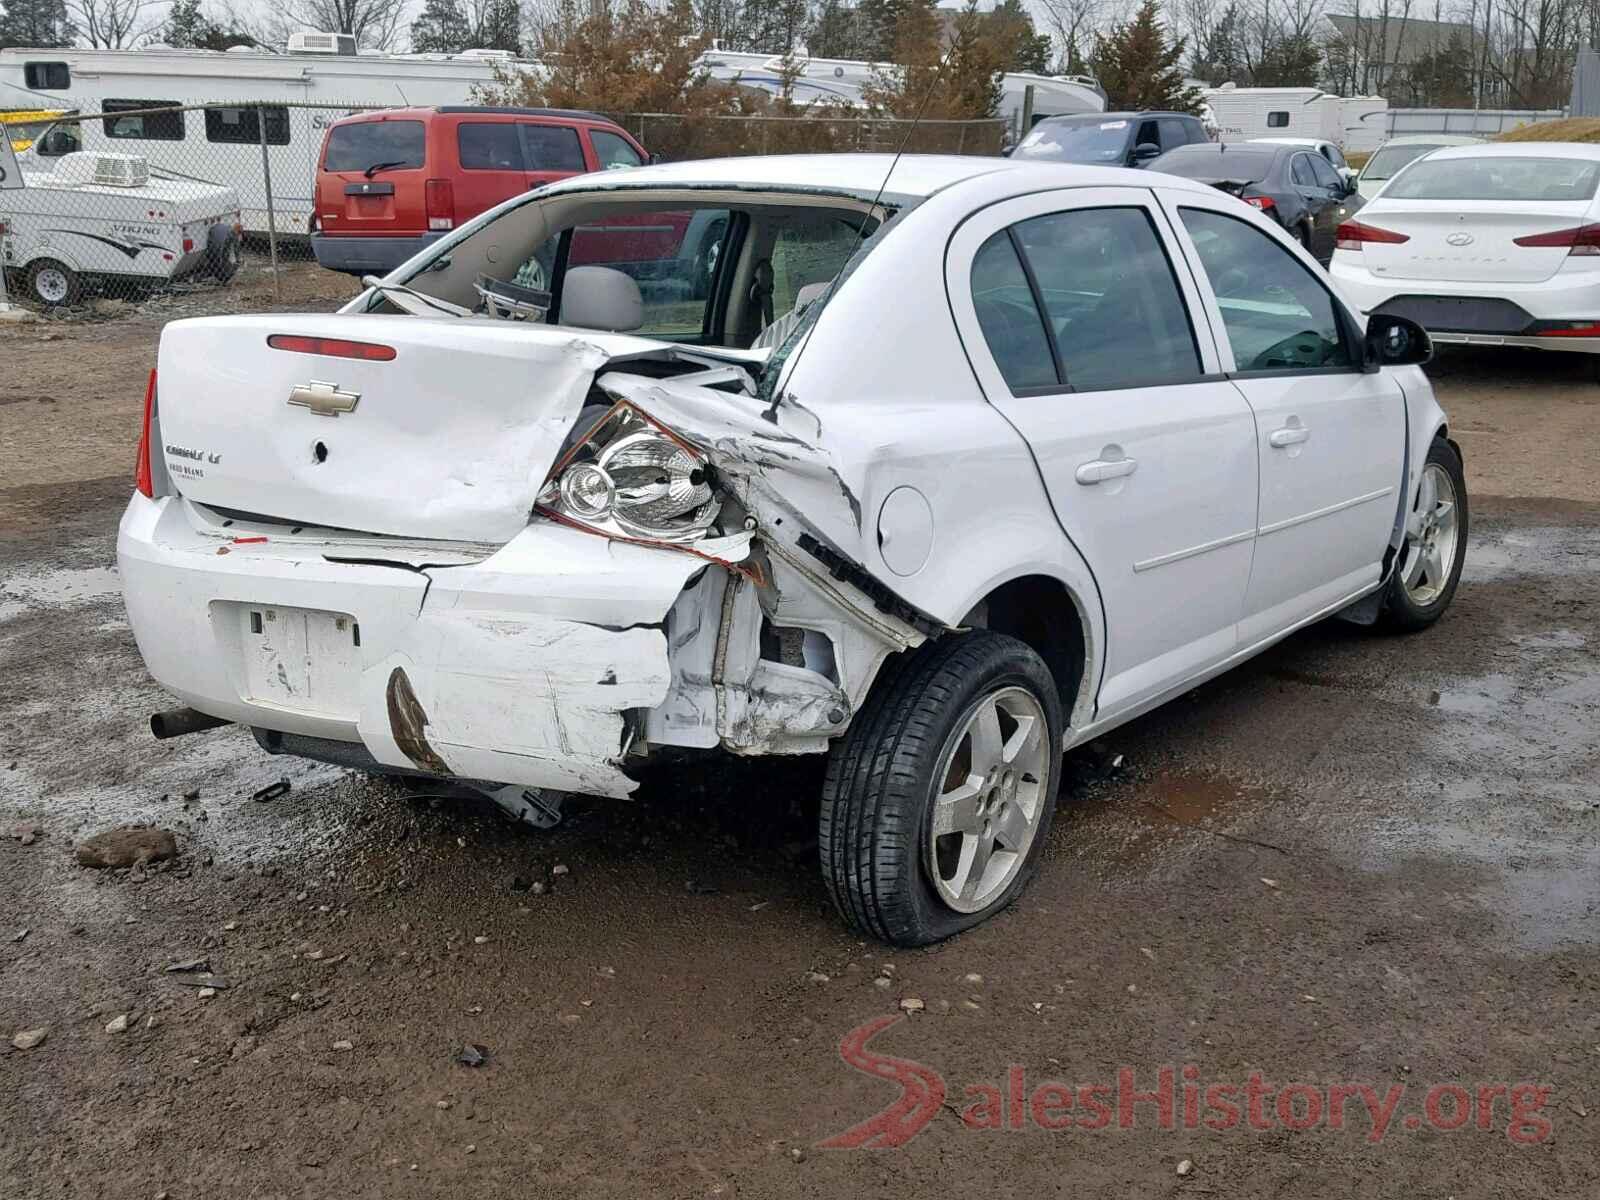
pixel 272 224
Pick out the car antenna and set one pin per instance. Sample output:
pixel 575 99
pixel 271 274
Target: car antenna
pixel 776 398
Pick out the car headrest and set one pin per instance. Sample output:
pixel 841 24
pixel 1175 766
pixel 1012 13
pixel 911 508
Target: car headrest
pixel 811 293
pixel 601 298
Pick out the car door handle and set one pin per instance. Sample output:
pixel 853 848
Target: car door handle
pixel 1289 435
pixel 1101 469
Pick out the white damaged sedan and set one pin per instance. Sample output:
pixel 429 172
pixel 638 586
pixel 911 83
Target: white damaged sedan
pixel 937 471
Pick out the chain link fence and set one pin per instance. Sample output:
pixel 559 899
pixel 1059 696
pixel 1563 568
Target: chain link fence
pixel 142 199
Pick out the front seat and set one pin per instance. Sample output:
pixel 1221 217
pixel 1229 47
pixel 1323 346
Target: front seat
pixel 778 332
pixel 601 298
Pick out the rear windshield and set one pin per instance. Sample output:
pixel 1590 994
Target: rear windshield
pixel 1076 141
pixel 1496 178
pixel 1386 163
pixel 367 144
pixel 1210 162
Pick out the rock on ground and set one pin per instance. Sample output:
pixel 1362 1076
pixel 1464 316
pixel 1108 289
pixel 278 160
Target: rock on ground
pixel 127 847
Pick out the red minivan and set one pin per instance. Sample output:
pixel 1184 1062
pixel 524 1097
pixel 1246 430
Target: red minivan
pixel 390 182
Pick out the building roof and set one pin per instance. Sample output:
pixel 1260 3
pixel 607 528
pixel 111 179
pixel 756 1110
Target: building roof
pixel 1401 39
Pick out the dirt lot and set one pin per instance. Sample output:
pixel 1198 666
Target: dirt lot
pixel 1355 861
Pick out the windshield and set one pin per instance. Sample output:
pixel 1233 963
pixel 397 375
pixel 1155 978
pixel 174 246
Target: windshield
pixel 1076 141
pixel 364 144
pixel 1215 162
pixel 1386 163
pixel 1551 180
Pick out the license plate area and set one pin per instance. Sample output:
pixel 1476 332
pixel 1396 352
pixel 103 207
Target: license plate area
pixel 303 660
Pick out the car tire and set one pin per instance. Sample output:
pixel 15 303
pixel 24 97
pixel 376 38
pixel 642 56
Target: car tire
pixel 223 253
pixel 1302 233
pixel 927 720
pixel 54 284
pixel 1428 567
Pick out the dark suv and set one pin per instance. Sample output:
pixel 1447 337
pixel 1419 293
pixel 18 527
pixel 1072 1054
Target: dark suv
pixel 1113 139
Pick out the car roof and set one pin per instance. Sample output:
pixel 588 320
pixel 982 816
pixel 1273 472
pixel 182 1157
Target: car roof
pixel 913 177
pixel 1293 141
pixel 1579 150
pixel 418 111
pixel 1119 116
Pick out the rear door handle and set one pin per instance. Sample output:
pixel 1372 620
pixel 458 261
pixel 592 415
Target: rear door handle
pixel 1289 435
pixel 1100 469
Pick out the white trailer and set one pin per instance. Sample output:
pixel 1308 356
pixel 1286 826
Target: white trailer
pixel 219 142
pixel 1353 123
pixel 840 81
pixel 97 221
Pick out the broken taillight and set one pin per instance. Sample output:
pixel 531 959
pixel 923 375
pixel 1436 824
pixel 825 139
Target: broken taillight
pixel 142 477
pixel 331 347
pixel 632 477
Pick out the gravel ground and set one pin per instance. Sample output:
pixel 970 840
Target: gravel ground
pixel 1354 860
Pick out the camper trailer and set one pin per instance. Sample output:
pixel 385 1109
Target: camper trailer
pixel 218 141
pixel 1354 123
pixel 98 221
pixel 839 81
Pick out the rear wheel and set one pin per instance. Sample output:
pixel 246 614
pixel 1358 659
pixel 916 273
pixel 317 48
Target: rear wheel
pixel 1435 546
pixel 223 253
pixel 937 801
pixel 53 284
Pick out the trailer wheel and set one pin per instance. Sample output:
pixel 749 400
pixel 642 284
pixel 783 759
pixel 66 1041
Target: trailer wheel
pixel 223 254
pixel 53 284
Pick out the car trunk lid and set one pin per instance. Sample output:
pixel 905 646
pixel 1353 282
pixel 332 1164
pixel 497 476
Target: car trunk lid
pixel 446 431
pixel 1468 241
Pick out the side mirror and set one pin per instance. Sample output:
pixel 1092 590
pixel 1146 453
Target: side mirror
pixel 1397 342
pixel 1144 152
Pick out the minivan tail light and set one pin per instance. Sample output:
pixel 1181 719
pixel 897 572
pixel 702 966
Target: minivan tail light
pixel 1582 240
pixel 143 479
pixel 331 347
pixel 1352 235
pixel 440 201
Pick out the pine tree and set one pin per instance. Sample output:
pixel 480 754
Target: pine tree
pixel 441 28
pixel 834 32
pixel 1022 46
pixel 186 24
pixel 42 23
pixel 1139 68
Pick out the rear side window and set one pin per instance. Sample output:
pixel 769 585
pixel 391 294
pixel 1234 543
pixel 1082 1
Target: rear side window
pixel 489 146
pixel 366 144
pixel 1496 178
pixel 613 151
pixel 49 76
pixel 1174 133
pixel 243 125
pixel 552 148
pixel 1111 299
pixel 1009 316
pixel 150 126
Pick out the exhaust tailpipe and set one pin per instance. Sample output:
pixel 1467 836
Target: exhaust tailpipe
pixel 175 722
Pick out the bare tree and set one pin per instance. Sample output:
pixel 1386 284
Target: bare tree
pixel 113 24
pixel 1074 23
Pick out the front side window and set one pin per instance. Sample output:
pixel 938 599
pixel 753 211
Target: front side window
pixel 47 76
pixel 1277 120
pixel 1111 300
pixel 1009 316
pixel 244 125
pixel 489 146
pixel 363 145
pixel 810 251
pixel 150 126
pixel 1326 176
pixel 1302 173
pixel 552 148
pixel 613 151
pixel 1278 317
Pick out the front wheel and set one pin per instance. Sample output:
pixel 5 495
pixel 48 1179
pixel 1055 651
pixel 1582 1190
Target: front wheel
pixel 938 799
pixel 1435 546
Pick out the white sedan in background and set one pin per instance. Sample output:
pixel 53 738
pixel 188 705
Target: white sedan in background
pixel 1389 159
pixel 1492 244
pixel 957 463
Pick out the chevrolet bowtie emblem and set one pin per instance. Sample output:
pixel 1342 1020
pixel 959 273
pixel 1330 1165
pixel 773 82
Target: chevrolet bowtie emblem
pixel 324 399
